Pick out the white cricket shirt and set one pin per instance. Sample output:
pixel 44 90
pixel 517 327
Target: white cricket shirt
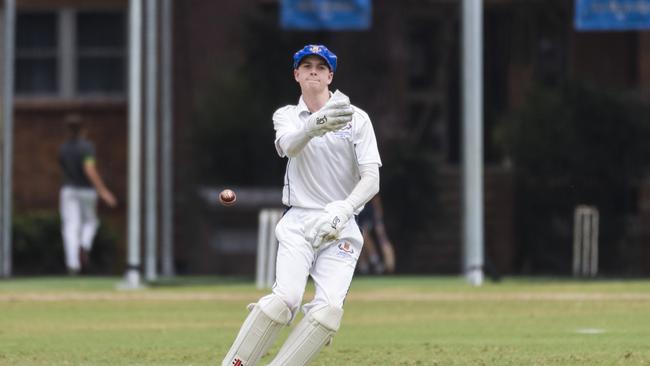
pixel 327 169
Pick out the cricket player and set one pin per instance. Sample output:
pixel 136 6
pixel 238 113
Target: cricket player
pixel 332 171
pixel 78 196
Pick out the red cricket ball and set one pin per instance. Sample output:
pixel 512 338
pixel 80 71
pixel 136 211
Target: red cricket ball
pixel 227 197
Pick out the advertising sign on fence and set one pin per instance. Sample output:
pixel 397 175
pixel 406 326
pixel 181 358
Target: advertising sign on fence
pixel 326 14
pixel 612 15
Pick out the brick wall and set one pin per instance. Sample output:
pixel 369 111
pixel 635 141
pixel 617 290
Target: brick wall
pixel 39 131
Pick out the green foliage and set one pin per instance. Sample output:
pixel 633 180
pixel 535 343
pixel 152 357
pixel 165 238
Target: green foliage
pixel 408 190
pixel 574 145
pixel 38 246
pixel 234 138
pixel 233 133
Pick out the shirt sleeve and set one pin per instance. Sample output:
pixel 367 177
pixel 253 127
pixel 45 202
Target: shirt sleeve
pixel 88 152
pixel 282 125
pixel 365 142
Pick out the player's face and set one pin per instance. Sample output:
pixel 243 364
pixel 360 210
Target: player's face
pixel 313 74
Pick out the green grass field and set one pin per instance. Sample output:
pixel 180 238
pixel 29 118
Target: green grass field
pixel 388 321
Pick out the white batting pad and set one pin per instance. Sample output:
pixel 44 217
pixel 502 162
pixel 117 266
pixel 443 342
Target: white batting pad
pixel 259 331
pixel 310 335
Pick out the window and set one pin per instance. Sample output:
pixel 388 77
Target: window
pixel 69 53
pixel 36 53
pixel 100 47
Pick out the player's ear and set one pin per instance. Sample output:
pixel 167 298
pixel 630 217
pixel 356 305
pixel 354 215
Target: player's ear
pixel 295 74
pixel 330 77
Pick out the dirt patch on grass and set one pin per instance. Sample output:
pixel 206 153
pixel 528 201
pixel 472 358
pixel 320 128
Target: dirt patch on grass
pixel 388 295
pixel 496 296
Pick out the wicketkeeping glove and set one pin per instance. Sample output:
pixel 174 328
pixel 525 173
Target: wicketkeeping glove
pixel 328 226
pixel 332 117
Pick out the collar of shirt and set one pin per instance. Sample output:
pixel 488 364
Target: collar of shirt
pixel 303 110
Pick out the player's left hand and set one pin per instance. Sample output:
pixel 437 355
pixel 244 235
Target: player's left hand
pixel 328 226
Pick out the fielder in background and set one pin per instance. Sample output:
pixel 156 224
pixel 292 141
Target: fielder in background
pixel 374 232
pixel 332 171
pixel 78 196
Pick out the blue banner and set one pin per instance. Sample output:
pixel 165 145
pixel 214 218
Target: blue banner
pixel 326 14
pixel 612 14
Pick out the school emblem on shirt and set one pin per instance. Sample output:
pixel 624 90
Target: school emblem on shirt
pixel 345 250
pixel 345 132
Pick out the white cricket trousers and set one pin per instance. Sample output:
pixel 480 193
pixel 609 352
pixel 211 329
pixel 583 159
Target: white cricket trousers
pixel 79 223
pixel 331 266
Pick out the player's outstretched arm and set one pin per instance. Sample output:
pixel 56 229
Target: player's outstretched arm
pixel 332 117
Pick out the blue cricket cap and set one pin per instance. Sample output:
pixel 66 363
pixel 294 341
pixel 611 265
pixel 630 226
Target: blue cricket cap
pixel 318 50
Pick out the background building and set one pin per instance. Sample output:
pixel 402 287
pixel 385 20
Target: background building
pixel 231 70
